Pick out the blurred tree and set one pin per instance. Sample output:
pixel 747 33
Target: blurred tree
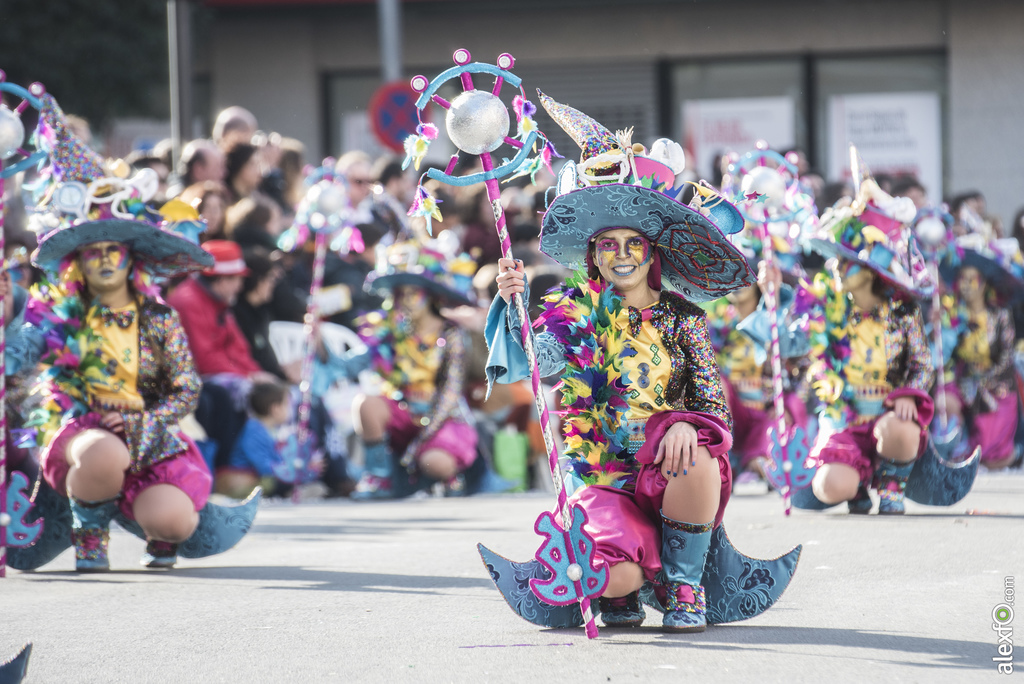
pixel 99 58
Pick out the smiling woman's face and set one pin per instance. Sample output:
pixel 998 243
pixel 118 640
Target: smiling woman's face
pixel 623 257
pixel 105 266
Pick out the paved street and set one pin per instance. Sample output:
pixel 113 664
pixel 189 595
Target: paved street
pixel 345 592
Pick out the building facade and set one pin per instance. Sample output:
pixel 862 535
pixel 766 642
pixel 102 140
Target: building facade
pixel 930 87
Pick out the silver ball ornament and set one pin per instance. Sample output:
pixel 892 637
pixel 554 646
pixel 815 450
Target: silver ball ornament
pixel 12 133
pixel 330 198
pixel 765 181
pixel 477 122
pixel 787 467
pixel 5 519
pixel 930 230
pixel 574 572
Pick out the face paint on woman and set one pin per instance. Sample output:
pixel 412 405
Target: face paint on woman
pixel 607 249
pixel 105 265
pixel 116 254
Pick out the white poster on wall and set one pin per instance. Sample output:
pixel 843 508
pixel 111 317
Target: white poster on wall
pixel 712 127
pixel 895 133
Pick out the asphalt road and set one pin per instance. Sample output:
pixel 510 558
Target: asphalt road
pixel 396 592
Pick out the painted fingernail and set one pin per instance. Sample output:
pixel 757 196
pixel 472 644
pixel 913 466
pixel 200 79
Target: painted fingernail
pixel 675 474
pixel 684 471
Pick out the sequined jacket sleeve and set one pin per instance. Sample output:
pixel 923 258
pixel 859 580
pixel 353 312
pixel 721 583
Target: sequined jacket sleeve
pixel 1002 343
pixel 449 396
pixel 168 383
pixel 914 364
pixel 696 383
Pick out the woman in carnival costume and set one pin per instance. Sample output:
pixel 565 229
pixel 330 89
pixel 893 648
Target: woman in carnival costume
pixel 980 382
pixel 871 365
pixel 646 421
pixel 419 425
pixel 117 375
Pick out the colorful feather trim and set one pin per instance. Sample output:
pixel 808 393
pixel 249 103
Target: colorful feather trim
pixel 583 319
pixel 72 365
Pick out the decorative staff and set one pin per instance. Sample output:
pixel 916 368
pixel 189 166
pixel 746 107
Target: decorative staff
pixel 14 502
pixel 324 215
pixel 764 196
pixel 478 123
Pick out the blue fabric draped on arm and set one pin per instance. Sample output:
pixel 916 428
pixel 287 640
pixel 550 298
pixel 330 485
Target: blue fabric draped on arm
pixel 506 360
pixel 793 342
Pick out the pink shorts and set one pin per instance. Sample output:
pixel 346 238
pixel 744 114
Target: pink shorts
pixel 454 436
pixel 626 526
pixel 857 446
pixel 993 431
pixel 750 425
pixel 187 471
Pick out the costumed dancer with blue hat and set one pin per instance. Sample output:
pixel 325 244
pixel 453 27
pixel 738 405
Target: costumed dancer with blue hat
pixel 981 381
pixel 871 365
pixel 419 428
pixel 117 375
pixel 646 422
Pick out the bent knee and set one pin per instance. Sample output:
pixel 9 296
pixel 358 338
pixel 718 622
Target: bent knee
pixel 98 451
pixel 832 484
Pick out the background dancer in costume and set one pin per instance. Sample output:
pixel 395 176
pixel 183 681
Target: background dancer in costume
pixel 419 426
pixel 984 389
pixel 646 422
pixel 871 362
pixel 118 375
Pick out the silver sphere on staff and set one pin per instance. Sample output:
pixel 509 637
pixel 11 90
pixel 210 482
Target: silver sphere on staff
pixel 12 132
pixel 477 122
pixel 767 181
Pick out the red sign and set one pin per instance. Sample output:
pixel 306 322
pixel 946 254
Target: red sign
pixel 393 114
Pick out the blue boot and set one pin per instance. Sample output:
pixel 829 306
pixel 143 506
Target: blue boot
pixel 892 481
pixel 624 611
pixel 376 482
pixel 90 533
pixel 684 548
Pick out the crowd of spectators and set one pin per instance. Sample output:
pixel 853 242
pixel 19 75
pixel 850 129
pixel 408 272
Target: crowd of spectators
pixel 247 186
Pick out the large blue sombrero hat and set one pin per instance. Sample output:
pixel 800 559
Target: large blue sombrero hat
pixel 874 231
pixel 697 260
pixel 999 263
pixel 619 185
pixel 427 267
pixel 80 203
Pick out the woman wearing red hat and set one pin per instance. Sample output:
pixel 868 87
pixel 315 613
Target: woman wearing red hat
pixel 118 374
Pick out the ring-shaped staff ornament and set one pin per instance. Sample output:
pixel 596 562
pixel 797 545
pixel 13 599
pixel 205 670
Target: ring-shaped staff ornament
pixel 13 154
pixel 762 192
pixel 325 209
pixel 478 123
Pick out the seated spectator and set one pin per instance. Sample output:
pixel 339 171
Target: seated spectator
pixel 201 160
pixel 234 124
pixel 204 305
pixel 285 182
pixel 253 221
pixel 219 349
pixel 255 456
pixel 242 173
pixel 210 199
pixel 253 313
pixel 146 159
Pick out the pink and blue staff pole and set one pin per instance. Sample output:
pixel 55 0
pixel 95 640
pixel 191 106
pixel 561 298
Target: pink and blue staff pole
pixel 764 188
pixel 323 213
pixel 478 124
pixel 12 139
